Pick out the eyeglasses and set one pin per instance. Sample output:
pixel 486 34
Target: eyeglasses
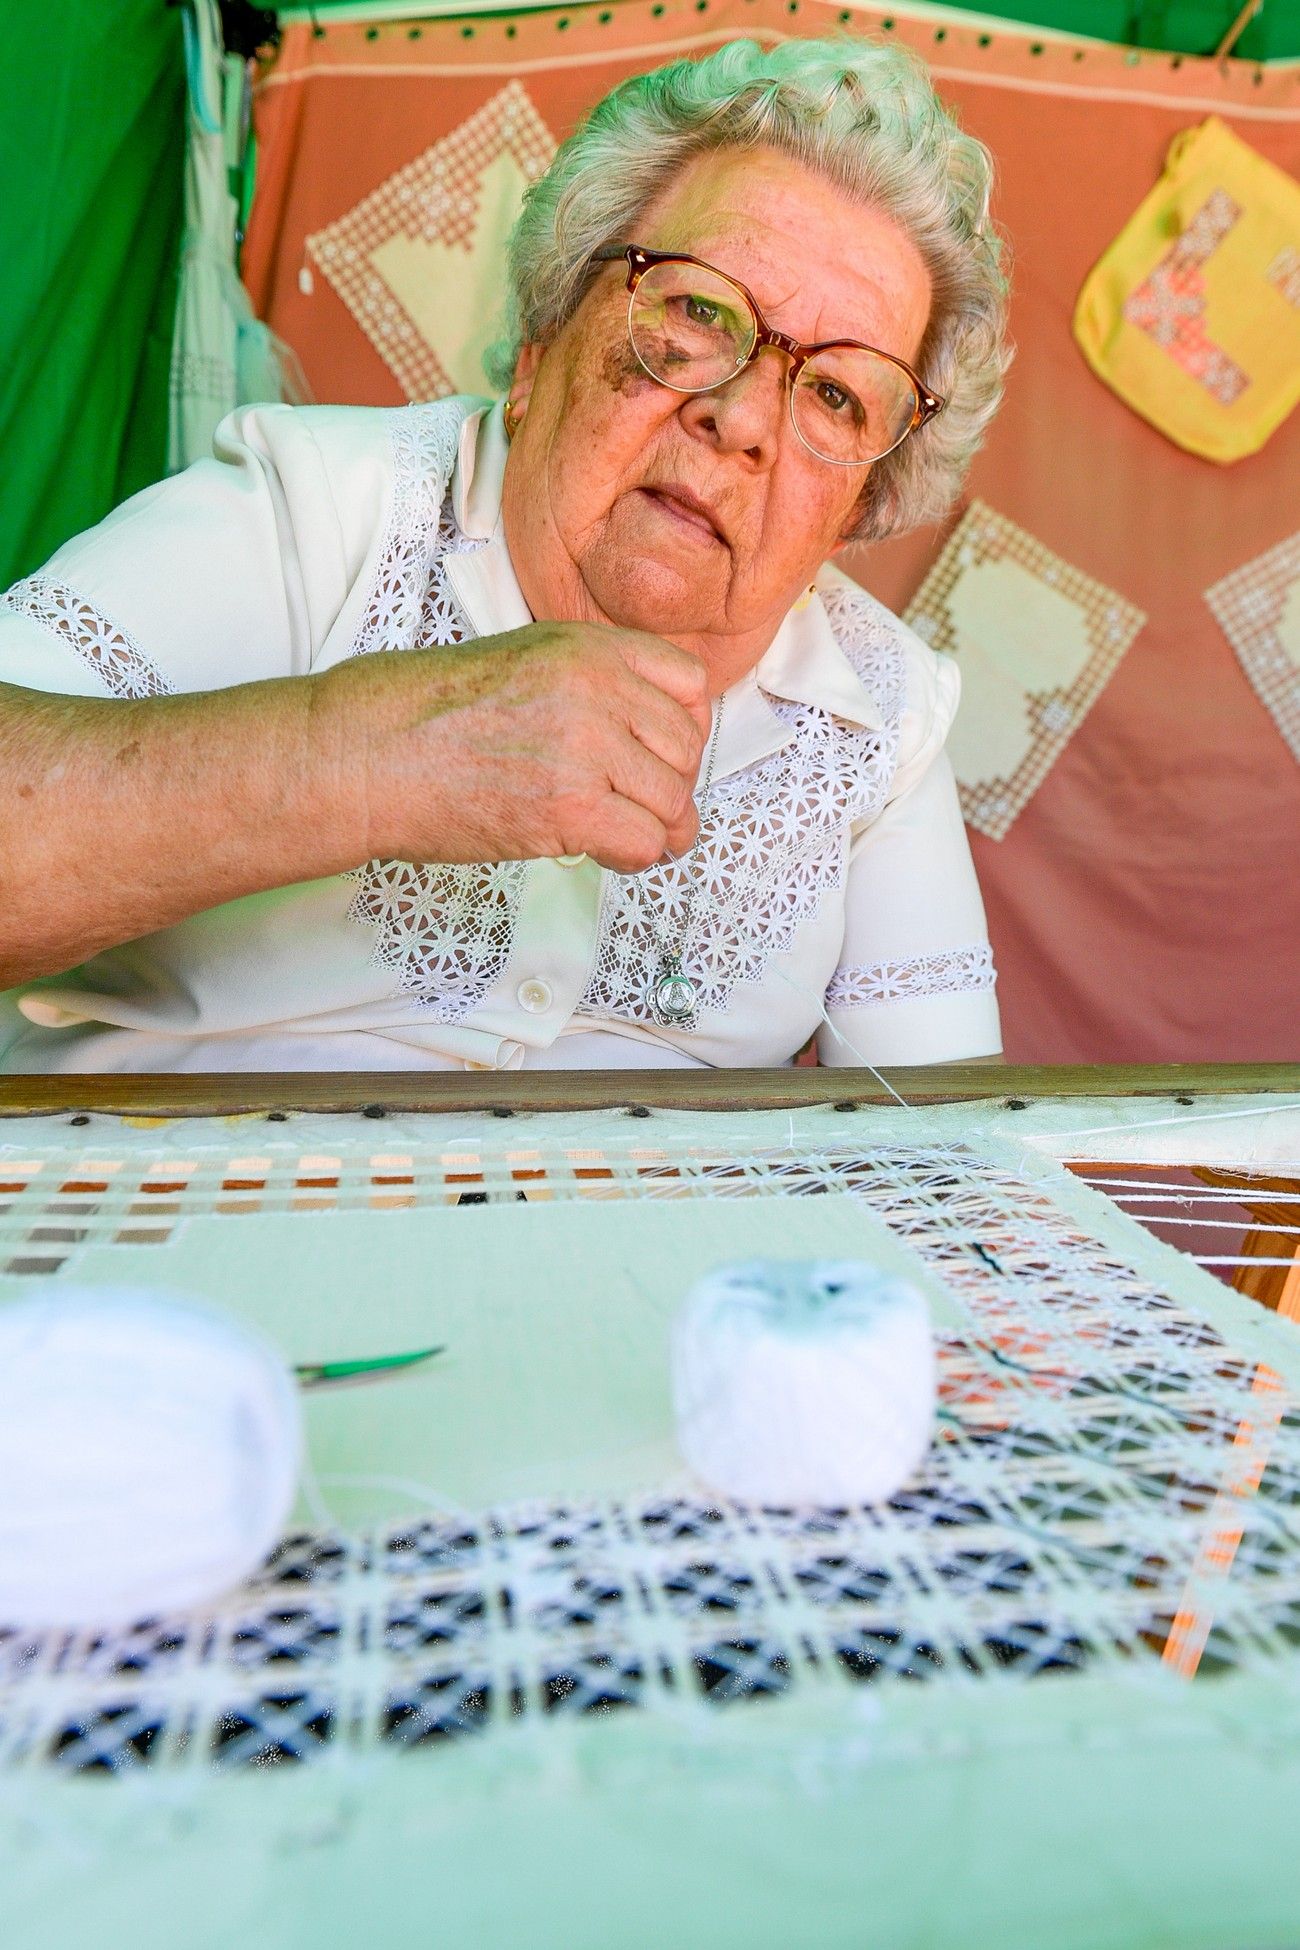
pixel 693 328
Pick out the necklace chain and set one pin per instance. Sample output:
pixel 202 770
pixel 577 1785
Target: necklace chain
pixel 672 993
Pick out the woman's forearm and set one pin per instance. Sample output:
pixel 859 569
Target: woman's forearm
pixel 119 818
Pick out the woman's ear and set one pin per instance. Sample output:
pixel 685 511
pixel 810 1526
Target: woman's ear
pixel 521 385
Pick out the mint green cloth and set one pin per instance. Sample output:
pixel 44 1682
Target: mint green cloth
pixel 1069 1815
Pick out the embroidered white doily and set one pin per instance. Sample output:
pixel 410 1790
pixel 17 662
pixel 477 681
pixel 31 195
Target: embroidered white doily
pixel 1036 641
pixel 1258 609
pixel 418 261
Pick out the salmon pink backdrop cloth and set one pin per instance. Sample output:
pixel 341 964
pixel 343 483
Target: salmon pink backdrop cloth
pixel 1127 615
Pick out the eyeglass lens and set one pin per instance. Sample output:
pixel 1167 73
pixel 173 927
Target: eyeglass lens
pixel 692 329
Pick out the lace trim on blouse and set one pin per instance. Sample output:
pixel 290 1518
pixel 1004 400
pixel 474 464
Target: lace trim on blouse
pixel 444 930
pixel 957 971
pixel 424 441
pixel 773 840
pixel 102 645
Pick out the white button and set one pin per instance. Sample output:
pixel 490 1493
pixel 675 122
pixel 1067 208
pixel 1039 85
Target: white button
pixel 535 996
pixel 569 859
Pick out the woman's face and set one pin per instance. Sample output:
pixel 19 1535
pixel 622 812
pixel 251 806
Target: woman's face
pixel 609 469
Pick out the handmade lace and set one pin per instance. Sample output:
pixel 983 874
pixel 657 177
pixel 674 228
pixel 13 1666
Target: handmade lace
pixel 956 971
pixel 773 841
pixel 104 646
pixel 444 930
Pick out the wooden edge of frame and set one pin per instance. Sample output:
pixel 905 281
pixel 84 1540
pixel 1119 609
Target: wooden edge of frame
pixel 226 1095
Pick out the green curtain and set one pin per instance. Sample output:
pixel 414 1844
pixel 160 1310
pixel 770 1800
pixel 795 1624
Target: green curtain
pixel 1178 26
pixel 91 152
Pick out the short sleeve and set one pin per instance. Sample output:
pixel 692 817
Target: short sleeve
pixel 915 980
pixel 229 572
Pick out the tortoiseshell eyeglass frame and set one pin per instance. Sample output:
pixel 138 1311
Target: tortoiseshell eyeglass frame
pixel 639 261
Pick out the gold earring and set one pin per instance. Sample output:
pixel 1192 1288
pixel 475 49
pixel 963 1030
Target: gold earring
pixel 511 416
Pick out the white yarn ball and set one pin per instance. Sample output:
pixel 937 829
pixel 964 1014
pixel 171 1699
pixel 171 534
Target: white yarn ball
pixel 803 1381
pixel 149 1456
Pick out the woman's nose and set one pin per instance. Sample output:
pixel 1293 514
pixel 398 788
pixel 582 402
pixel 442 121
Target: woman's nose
pixel 745 415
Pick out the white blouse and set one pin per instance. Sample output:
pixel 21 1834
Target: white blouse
pixel 835 892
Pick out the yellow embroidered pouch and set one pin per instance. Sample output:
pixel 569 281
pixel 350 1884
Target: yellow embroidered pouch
pixel 1193 314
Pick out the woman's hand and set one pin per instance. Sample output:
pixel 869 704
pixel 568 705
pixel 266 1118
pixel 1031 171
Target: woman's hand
pixel 559 738
pixel 119 818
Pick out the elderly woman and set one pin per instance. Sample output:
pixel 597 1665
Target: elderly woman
pixel 540 733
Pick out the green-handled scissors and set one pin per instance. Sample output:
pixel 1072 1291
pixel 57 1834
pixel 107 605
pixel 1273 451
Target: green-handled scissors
pixel 342 1374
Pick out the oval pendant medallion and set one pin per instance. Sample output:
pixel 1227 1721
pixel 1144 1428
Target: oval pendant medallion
pixel 673 997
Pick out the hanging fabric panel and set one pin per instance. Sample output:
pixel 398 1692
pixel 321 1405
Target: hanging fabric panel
pixel 1193 314
pixel 222 356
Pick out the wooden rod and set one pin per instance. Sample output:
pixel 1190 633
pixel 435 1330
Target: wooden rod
pixel 1237 29
pixel 226 1095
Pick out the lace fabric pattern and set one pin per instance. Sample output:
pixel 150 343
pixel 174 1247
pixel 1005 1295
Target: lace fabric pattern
pixel 409 600
pixel 774 837
pixel 957 971
pixel 444 930
pixel 773 841
pixel 104 646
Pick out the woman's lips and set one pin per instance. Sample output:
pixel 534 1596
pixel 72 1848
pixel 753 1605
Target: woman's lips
pixel 684 511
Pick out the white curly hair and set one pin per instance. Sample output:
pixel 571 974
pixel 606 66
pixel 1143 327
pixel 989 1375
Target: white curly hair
pixel 859 112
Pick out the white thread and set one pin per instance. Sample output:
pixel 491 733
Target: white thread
pixel 1098 1130
pixel 420 1493
pixel 1226 1259
pixel 1159 1123
pixel 807 995
pixel 149 1455
pixel 1147 1190
pixel 800 1382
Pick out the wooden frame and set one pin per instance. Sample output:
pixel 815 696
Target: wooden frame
pixel 503 1093
pixel 230 1094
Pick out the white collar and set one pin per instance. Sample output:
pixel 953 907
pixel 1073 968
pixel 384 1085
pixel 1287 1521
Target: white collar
pixel 804 662
pixel 479 472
